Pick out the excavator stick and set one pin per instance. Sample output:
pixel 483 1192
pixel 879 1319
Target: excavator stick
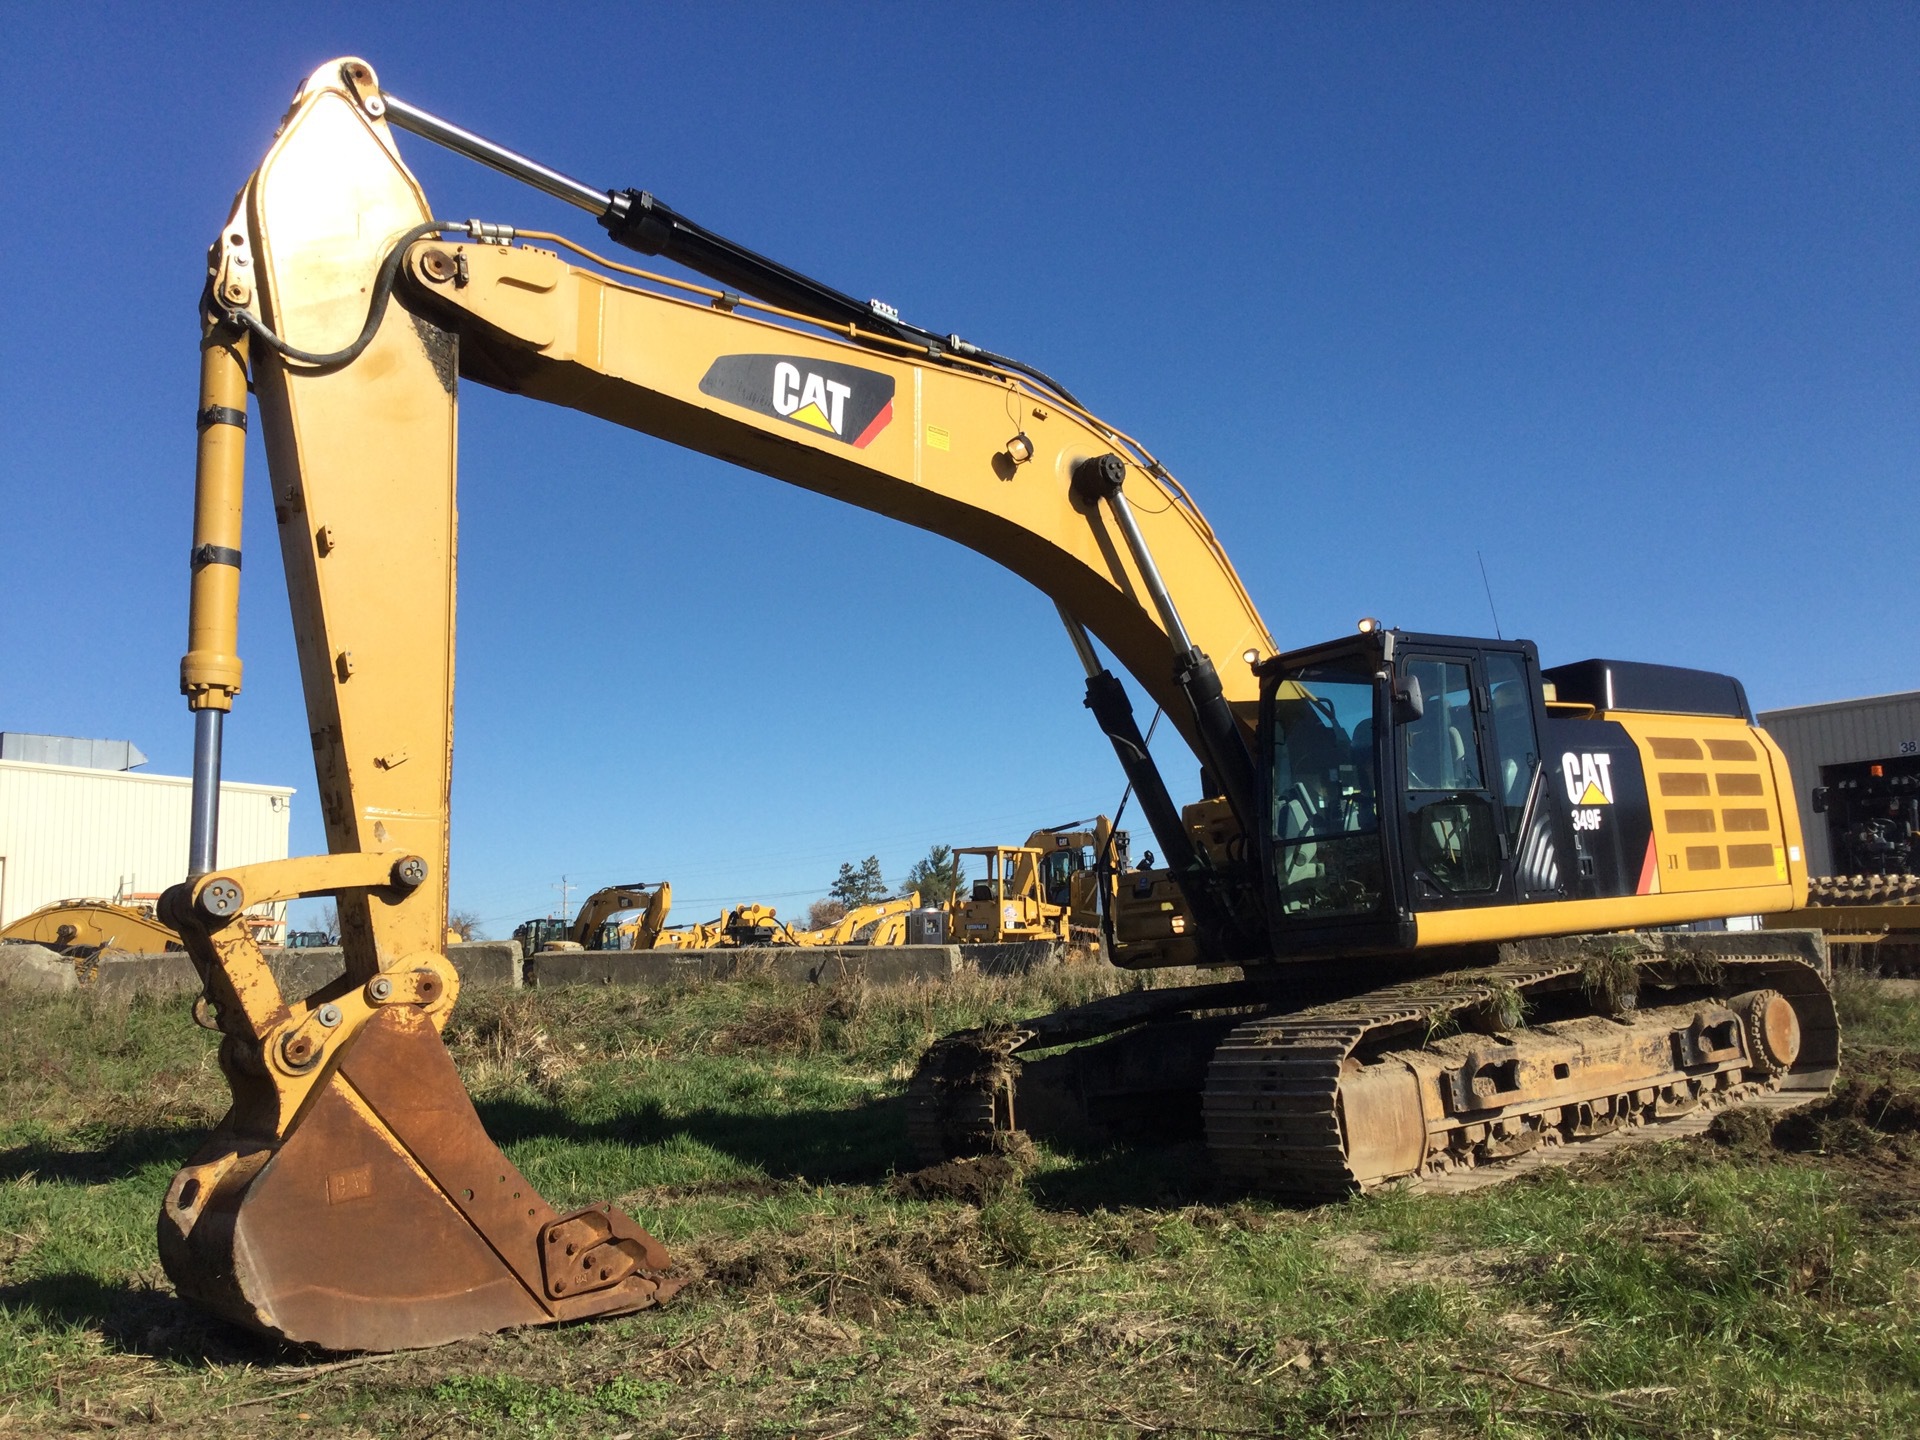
pixel 351 1199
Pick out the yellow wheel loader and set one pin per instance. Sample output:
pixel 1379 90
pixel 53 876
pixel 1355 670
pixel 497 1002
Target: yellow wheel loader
pixel 1432 862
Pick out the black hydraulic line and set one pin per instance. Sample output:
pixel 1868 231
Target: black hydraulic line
pixel 643 222
pixel 640 222
pixel 1007 362
pixel 383 282
pixel 1119 811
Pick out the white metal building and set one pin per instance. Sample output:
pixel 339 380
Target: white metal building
pixel 81 832
pixel 1825 742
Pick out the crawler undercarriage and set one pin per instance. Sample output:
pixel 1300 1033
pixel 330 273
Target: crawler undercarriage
pixel 1305 1087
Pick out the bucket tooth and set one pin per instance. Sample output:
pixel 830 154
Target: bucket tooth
pixel 386 1218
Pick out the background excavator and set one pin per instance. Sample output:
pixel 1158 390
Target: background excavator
pixel 595 926
pixel 882 923
pixel 87 927
pixel 1431 862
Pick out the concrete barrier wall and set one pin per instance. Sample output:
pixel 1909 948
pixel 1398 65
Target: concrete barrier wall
pixel 802 965
pixel 498 964
pixel 486 964
pixel 882 964
pixel 34 968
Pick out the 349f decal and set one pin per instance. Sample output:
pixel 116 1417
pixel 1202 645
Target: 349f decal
pixel 1589 778
pixel 828 398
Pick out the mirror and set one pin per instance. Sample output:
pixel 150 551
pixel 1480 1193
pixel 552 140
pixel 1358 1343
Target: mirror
pixel 1408 703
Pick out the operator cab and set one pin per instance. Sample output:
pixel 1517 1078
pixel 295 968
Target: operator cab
pixel 1059 865
pixel 1403 774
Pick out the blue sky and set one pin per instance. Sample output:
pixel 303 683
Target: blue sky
pixel 1623 297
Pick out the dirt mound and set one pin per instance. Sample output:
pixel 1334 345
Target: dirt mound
pixel 979 1181
pixel 1743 1129
pixel 1861 1115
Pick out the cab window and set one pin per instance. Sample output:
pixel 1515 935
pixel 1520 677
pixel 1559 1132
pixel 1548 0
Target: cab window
pixel 1451 822
pixel 1325 814
pixel 1516 751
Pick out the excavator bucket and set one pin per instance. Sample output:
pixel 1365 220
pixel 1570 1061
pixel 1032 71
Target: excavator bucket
pixel 387 1219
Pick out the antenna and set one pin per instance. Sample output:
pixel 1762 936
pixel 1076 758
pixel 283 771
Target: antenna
pixel 1489 586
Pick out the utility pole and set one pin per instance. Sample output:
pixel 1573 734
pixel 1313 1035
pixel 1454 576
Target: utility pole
pixel 565 887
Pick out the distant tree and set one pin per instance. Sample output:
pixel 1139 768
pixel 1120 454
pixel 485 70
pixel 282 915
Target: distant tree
pixel 465 924
pixel 862 886
pixel 823 913
pixel 937 876
pixel 330 923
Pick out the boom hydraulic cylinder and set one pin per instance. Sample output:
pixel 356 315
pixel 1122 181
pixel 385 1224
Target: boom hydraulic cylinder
pixel 210 670
pixel 1223 747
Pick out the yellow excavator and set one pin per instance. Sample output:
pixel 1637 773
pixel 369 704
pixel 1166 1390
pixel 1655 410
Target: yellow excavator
pixel 1409 844
pixel 1077 871
pixel 595 928
pixel 91 926
pixel 882 923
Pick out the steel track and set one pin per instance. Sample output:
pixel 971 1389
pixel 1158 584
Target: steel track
pixel 1272 1101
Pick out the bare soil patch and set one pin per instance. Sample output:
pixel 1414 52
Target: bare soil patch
pixel 978 1181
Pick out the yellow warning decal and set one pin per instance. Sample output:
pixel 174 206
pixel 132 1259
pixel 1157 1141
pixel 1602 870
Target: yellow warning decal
pixel 938 439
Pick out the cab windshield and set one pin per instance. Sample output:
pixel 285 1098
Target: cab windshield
pixel 1325 817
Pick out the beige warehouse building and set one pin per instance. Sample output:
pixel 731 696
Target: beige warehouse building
pixel 76 822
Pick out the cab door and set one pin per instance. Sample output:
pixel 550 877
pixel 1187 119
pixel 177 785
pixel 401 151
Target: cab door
pixel 1452 832
pixel 1477 825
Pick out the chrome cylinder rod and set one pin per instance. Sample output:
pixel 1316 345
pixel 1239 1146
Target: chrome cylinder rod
pixel 498 157
pixel 203 844
pixel 1082 642
pixel 1149 572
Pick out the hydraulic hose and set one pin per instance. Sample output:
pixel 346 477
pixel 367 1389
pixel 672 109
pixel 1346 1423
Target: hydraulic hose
pixel 383 284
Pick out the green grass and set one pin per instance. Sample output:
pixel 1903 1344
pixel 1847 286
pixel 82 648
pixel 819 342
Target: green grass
pixel 1685 1288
